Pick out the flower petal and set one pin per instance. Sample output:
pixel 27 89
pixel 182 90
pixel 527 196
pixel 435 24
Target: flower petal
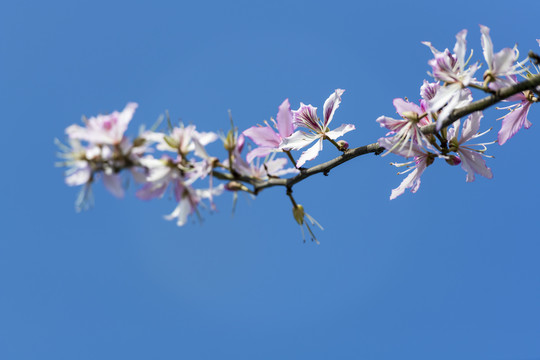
pixel 487 45
pixel 412 181
pixel 263 136
pixel 306 116
pixel 298 140
pixel 258 152
pixel 310 154
pixel 405 106
pixel 340 131
pixel 331 104
pixel 460 48
pixel 470 126
pixel 113 183
pixel 472 162
pixel 182 211
pixel 284 119
pixel 514 121
pixel 79 174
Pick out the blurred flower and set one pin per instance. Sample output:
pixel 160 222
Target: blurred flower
pixel 104 129
pixel 269 168
pixel 189 199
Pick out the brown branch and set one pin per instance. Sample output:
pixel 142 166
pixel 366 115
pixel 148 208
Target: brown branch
pixel 347 155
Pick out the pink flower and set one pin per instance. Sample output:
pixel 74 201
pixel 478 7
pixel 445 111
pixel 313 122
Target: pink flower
pixel 515 119
pixel 104 129
pixel 406 130
pixel 188 201
pixel 267 139
pixel 450 68
pixel 500 65
pixel 471 158
pixel 270 168
pixel 182 140
pixel 422 160
pixel 306 116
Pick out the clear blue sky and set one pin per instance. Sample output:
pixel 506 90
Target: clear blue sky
pixel 451 272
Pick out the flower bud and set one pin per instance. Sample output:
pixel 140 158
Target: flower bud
pixel 453 160
pixel 171 142
pixel 410 115
pixel 138 142
pixel 229 143
pixel 235 186
pixel 343 145
pixel 298 213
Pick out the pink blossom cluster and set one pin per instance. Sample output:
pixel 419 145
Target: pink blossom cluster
pixel 452 89
pixel 178 160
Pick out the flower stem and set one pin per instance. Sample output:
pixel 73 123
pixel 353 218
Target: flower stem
pixel 334 143
pixel 288 152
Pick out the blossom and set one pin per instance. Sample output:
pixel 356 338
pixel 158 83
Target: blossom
pixel 422 159
pixel 306 116
pixel 500 65
pixel 268 139
pixel 269 168
pixel 189 199
pixel 471 158
pixel 516 118
pixel 182 140
pixel 450 68
pixel 427 92
pixel 104 129
pixel 85 164
pixel 160 173
pixel 408 128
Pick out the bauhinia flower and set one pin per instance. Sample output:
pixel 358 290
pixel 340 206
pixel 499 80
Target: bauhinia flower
pixel 266 137
pixel 471 158
pixel 306 117
pixel 406 131
pixel 517 117
pixel 166 173
pixel 450 68
pixel 182 140
pixel 422 159
pixel 501 65
pixel 269 168
pixel 106 152
pixel 104 129
pixel 189 199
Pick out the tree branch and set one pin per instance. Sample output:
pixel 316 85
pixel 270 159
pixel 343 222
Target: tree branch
pixel 347 155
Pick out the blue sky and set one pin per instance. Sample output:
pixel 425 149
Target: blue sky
pixel 449 272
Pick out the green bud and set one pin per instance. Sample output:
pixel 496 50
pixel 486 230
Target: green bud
pixel 298 213
pixel 229 144
pixel 171 142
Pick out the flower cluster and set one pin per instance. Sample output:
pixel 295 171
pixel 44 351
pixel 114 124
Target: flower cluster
pixel 178 160
pixel 454 81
